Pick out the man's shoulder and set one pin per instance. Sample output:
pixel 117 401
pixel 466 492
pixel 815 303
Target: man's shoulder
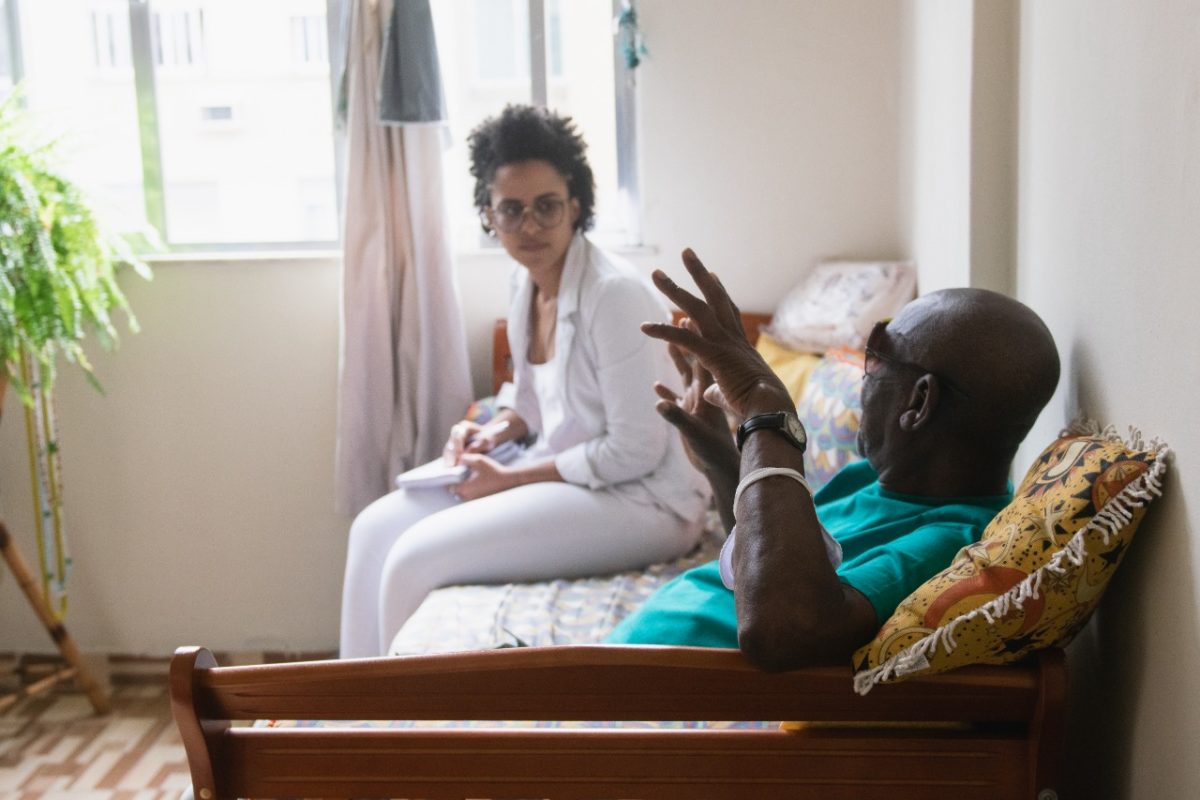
pixel 854 477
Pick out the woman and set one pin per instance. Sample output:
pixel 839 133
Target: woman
pixel 605 486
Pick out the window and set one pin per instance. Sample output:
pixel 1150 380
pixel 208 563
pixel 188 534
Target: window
pixel 211 120
pixel 110 38
pixel 310 40
pixel 177 37
pixel 216 113
pixel 490 58
pixel 188 115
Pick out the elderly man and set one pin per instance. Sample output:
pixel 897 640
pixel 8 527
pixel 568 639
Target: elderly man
pixel 952 386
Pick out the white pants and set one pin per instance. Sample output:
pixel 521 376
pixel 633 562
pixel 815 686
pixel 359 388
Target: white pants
pixel 410 542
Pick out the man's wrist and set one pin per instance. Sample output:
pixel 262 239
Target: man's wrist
pixel 729 463
pixel 769 400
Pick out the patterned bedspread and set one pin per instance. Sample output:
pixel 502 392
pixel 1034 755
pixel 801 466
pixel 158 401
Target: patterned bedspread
pixel 580 611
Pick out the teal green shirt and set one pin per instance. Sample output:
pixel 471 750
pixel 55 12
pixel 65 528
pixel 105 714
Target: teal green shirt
pixel 891 544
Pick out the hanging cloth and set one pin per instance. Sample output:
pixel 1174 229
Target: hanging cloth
pixel 403 370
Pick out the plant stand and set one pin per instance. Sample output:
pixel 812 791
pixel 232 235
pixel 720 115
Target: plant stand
pixel 76 668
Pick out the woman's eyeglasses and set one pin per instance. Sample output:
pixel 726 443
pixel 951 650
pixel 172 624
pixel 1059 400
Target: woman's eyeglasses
pixel 509 215
pixel 875 356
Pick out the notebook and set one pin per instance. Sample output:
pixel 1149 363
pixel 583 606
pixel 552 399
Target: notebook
pixel 439 473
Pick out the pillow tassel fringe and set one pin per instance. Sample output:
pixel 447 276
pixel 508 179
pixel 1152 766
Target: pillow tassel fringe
pixel 1108 522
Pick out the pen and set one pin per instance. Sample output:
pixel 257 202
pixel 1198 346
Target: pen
pixel 491 430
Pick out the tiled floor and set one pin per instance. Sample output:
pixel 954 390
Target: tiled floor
pixel 53 747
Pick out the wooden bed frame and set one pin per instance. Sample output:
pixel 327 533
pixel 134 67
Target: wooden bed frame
pixel 978 732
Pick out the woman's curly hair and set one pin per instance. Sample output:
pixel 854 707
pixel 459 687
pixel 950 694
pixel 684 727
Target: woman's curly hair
pixel 524 133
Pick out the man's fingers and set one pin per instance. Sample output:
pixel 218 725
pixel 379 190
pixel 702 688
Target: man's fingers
pixel 710 286
pixel 701 277
pixel 665 393
pixel 682 364
pixel 691 305
pixel 677 417
pixel 733 313
pixel 716 397
pixel 671 334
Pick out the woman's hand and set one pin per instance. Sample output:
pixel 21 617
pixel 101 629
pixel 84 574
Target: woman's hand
pixel 715 337
pixel 461 433
pixel 487 477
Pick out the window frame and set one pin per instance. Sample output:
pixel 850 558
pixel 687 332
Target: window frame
pixel 145 73
pixel 16 56
pixel 142 58
pixel 625 98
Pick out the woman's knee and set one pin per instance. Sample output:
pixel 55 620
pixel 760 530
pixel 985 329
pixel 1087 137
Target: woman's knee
pixel 370 535
pixel 379 525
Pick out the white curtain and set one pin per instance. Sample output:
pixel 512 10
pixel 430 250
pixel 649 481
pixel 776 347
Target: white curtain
pixel 403 371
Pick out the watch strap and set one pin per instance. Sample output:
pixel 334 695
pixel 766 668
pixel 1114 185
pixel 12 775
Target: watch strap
pixel 775 421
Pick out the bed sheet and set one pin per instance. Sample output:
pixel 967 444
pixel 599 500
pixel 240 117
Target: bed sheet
pixel 578 611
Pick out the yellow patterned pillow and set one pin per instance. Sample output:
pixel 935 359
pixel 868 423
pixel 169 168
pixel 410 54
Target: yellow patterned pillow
pixel 1039 569
pixel 792 366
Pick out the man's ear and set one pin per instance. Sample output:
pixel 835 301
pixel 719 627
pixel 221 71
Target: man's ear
pixel 922 404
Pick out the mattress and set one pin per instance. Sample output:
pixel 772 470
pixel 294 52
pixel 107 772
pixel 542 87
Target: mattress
pixel 578 611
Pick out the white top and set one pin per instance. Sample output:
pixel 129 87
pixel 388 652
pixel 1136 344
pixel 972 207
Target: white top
pixel 592 404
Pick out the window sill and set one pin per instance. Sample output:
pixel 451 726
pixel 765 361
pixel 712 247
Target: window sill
pixel 334 254
pixel 226 256
pixel 624 250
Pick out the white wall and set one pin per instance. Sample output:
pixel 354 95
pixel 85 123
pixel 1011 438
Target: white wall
pixel 960 159
pixel 938 124
pixel 199 491
pixel 1108 254
pixel 769 137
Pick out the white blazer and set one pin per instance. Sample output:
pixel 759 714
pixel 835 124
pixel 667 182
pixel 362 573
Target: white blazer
pixel 609 435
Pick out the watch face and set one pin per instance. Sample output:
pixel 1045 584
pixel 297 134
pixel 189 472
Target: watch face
pixel 792 423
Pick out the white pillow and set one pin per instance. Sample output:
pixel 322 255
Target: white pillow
pixel 838 303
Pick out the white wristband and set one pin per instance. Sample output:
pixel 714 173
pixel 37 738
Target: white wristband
pixel 833 549
pixel 766 472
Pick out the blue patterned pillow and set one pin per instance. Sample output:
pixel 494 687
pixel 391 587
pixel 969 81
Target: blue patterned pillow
pixel 830 408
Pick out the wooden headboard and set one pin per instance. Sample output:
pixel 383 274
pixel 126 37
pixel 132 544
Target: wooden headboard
pixel 502 366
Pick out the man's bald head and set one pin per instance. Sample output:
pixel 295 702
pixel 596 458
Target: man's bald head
pixel 994 348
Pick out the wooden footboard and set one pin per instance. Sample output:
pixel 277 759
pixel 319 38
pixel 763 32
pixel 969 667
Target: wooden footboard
pixel 979 732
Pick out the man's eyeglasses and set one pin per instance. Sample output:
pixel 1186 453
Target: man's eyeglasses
pixel 509 215
pixel 875 356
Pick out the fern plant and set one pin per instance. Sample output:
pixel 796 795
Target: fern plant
pixel 58 266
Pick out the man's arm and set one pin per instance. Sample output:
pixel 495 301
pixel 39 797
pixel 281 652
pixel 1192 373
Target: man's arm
pixel 792 608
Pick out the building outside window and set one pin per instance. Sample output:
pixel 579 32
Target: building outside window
pixel 110 37
pixel 177 37
pixel 211 120
pixel 310 40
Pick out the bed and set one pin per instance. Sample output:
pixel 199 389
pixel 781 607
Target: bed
pixel 978 732
pixel 564 718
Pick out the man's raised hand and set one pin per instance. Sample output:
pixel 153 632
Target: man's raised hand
pixel 714 335
pixel 702 425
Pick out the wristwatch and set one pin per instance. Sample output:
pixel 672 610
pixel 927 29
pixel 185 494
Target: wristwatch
pixel 786 423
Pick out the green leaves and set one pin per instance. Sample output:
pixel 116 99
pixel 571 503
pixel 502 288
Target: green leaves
pixel 58 267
